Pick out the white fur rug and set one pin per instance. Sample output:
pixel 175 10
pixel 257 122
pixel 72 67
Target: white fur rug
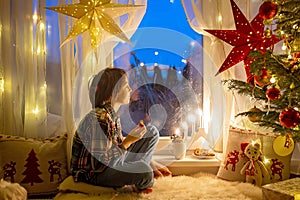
pixel 200 186
pixel 12 191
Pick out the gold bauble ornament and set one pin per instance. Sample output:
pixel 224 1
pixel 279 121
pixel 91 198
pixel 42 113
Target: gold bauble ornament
pixel 268 33
pixel 263 78
pixel 254 116
pixel 296 45
pixel 283 145
pixel 294 68
pixel 95 16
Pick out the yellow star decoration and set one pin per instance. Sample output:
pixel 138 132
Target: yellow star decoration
pixel 96 16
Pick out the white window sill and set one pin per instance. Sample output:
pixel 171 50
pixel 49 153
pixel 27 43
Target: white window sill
pixel 295 166
pixel 188 161
pixel 188 165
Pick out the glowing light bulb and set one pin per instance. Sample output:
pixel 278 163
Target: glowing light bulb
pixel 142 64
pixel 177 131
pixel 35 111
pixel 220 18
pixel 156 53
pixel 44 86
pixel 42 26
pixel 38 51
pixel 283 46
pixel 295 26
pixel 35 18
pixel 273 80
pixel 192 43
pixel 1 84
pixel 266 160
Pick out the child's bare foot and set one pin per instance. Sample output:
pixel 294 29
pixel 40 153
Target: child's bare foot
pixel 144 191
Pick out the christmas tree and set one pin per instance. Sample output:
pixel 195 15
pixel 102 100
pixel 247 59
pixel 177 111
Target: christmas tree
pixel 274 79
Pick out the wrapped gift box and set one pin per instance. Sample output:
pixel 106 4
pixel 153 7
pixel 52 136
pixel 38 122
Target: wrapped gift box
pixel 287 190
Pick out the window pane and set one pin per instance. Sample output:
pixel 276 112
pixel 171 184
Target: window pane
pixel 165 70
pixel 53 73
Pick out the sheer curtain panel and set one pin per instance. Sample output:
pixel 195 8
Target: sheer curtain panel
pixel 22 66
pixel 219 105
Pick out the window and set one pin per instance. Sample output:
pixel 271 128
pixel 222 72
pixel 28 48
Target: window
pixel 53 67
pixel 164 43
pixel 165 71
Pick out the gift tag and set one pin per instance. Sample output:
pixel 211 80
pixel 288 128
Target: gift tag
pixel 283 145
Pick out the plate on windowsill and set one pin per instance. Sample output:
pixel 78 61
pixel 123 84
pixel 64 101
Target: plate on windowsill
pixel 204 156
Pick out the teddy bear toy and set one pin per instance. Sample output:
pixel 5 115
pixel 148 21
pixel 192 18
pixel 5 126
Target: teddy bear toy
pixel 254 168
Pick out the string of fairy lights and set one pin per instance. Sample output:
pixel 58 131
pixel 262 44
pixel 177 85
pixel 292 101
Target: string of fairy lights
pixel 39 53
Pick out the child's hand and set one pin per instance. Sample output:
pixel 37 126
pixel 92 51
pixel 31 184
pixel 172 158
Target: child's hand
pixel 139 130
pixel 135 135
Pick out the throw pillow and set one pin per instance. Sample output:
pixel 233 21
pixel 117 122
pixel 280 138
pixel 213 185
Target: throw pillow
pixel 278 166
pixel 38 165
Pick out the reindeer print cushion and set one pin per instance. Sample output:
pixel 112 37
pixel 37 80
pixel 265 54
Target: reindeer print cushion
pixel 38 165
pixel 233 161
pixel 278 166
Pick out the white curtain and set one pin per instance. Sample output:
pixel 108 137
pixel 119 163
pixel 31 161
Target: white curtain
pixel 23 99
pixel 216 14
pixel 219 106
pixel 78 65
pixel 22 69
pixel 96 59
pixel 79 62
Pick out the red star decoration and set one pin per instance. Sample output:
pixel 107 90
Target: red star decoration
pixel 246 37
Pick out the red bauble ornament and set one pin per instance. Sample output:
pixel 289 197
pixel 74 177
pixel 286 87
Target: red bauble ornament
pixel 268 10
pixel 263 79
pixel 273 93
pixel 296 55
pixel 289 118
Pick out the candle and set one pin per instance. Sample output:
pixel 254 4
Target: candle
pixel 185 129
pixel 199 113
pixel 192 120
pixel 177 132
